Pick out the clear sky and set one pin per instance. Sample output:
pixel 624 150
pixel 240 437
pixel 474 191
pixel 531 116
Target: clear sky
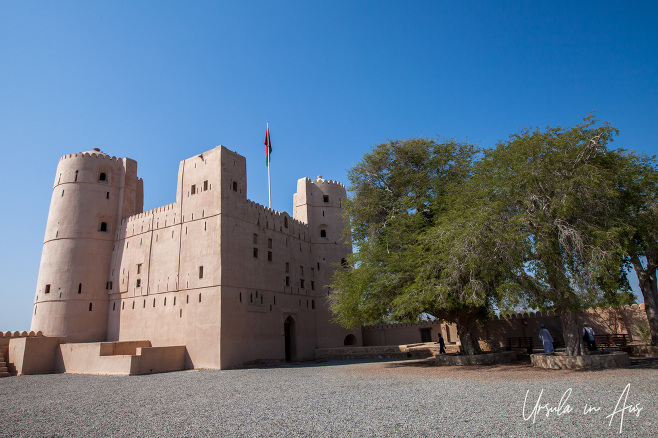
pixel 162 81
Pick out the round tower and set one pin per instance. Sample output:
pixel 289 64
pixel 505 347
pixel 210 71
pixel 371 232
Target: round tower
pixel 92 192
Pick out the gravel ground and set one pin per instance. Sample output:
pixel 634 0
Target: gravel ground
pixel 336 398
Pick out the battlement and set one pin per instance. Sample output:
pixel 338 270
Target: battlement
pixel 321 180
pixel 278 216
pixel 403 324
pixel 539 314
pixel 153 211
pixel 22 334
pixel 520 315
pixel 94 155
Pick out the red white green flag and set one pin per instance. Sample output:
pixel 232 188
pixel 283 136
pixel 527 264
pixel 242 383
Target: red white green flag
pixel 268 145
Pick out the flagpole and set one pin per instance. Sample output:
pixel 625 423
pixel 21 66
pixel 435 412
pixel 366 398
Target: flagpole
pixel 269 181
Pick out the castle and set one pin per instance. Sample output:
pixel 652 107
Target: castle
pixel 233 281
pixel 212 281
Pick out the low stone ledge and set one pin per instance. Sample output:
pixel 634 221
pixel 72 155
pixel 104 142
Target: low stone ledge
pixel 559 361
pixel 389 351
pixel 477 359
pixel 642 350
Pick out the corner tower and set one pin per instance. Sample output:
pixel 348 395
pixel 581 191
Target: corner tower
pixel 319 203
pixel 92 193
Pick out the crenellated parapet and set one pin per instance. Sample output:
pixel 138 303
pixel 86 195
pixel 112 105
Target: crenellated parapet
pixel 173 207
pixel 281 221
pixel 93 154
pixel 399 325
pixel 327 182
pixel 23 334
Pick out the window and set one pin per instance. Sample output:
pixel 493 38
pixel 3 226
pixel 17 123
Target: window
pixel 90 307
pixel 107 195
pixel 287 281
pixel 323 234
pixel 80 288
pixel 102 177
pixel 269 243
pixel 205 185
pixel 287 267
pixel 193 189
pixel 256 252
pixel 76 176
pixel 139 282
pixel 301 283
pixel 255 239
pixel 285 221
pixel 269 256
pixel 301 270
pixel 104 226
pixel 47 289
pixel 139 268
pixel 200 271
pixel 312 285
pixel 325 198
pixel 235 186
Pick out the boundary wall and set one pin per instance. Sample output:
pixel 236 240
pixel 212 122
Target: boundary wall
pixel 498 328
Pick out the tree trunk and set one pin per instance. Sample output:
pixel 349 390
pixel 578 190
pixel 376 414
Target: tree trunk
pixel 467 331
pixel 647 279
pixel 571 331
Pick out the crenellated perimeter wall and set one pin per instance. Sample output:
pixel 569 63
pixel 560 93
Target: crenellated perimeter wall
pixel 498 328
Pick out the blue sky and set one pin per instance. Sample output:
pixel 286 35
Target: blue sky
pixel 163 81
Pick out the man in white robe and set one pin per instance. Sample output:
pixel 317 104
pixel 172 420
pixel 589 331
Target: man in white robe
pixel 546 339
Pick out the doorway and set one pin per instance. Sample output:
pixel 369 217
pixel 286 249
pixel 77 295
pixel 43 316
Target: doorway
pixel 290 339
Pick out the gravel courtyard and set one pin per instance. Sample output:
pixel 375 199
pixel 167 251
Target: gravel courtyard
pixel 340 399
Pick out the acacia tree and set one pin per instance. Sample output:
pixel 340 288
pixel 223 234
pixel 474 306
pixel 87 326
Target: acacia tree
pixel 558 187
pixel 639 183
pixel 402 191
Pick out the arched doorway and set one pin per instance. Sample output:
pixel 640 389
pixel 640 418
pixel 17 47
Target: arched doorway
pixel 350 340
pixel 290 339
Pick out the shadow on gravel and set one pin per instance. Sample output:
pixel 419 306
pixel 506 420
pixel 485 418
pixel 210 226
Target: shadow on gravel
pixel 644 363
pixel 637 363
pixel 523 362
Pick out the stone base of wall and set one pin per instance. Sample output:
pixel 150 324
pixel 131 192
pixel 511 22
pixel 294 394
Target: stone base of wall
pixel 419 350
pixel 559 361
pixel 389 351
pixel 642 350
pixel 477 359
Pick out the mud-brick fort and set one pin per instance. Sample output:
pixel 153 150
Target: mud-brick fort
pixel 211 281
pixel 231 281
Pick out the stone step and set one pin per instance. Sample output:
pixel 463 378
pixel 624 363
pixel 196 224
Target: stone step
pixel 3 369
pixel 4 374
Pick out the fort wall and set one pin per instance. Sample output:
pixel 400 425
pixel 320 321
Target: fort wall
pixel 498 328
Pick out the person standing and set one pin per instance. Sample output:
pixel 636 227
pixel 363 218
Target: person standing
pixel 546 339
pixel 442 344
pixel 588 337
